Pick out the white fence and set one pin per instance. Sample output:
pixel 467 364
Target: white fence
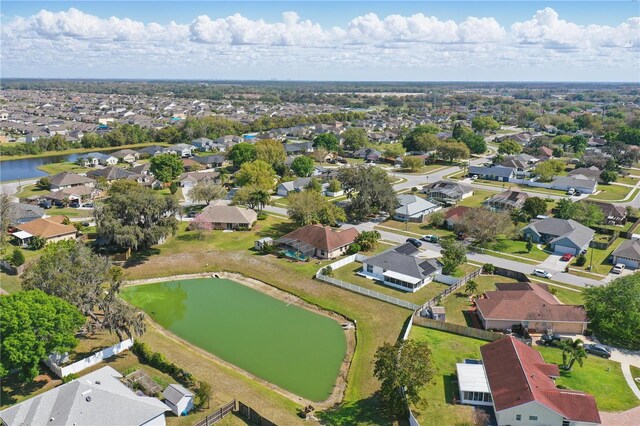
pixel 53 360
pixel 347 260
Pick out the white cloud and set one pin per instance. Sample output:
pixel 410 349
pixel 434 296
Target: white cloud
pixel 238 47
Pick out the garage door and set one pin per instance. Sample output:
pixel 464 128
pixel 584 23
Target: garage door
pixel 564 249
pixel 628 262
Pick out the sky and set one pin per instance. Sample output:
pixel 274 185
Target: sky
pixel 322 40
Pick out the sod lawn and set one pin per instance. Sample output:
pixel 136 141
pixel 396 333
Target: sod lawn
pixel 635 373
pixel 516 248
pixel 611 192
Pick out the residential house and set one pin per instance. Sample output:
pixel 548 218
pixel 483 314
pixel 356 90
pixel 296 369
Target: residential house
pixel 498 173
pixel 413 208
pixel 179 399
pixel 591 172
pixel 191 165
pixel 211 161
pixel 628 253
pixel 94 159
pixel 182 150
pixel 368 154
pixel 454 215
pixel 141 169
pixel 189 179
pixel 297 185
pixel 613 214
pixel 564 236
pixel 319 241
pixel 506 201
pixel 584 184
pixel 546 153
pixel 523 163
pixel 222 216
pixel 126 155
pixel 447 191
pixel 98 398
pixel 297 148
pixel 153 150
pixel 523 390
pixel 398 267
pixel 202 144
pixel 69 180
pixel 23 213
pixel 111 173
pixel 76 193
pixel 51 229
pixel 532 306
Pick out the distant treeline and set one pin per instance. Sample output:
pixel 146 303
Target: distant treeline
pixel 211 127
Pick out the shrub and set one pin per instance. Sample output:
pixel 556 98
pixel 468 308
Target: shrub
pixel 36 243
pixel 354 248
pixel 159 362
pixel 173 188
pixel 267 249
pixel 43 183
pixel 327 271
pixel 17 258
pixel 488 268
pixel 581 260
pixel 70 377
pixel 262 216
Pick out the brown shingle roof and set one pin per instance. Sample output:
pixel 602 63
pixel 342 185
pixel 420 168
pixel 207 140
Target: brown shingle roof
pixel 68 178
pixel 517 374
pixel 456 212
pixel 533 304
pixel 48 228
pixel 218 212
pixel 323 237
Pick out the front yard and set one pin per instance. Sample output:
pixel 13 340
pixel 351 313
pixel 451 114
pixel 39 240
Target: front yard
pixel 414 229
pixel 503 245
pixel 601 262
pixel 612 192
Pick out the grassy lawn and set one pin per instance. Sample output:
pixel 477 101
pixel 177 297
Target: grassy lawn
pixel 416 228
pixel 601 262
pixel 611 192
pixel 55 168
pixel 349 272
pixel 516 248
pixel 600 377
pixel 447 350
pixel 517 187
pixel 635 373
pixel 627 180
pixel 570 295
pixel 9 283
pixel 29 190
pixel 464 270
pixel 79 150
pixel 479 195
pixel 378 322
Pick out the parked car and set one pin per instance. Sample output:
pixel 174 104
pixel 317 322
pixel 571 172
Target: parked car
pixel 550 338
pixel 45 204
pixel 521 333
pixel 474 177
pixel 571 191
pixel 414 241
pixel 193 213
pixel 461 236
pixel 597 349
pixel 430 238
pixel 618 268
pixel 541 273
pixel 88 205
pixel 74 204
pixel 577 193
pixel 566 257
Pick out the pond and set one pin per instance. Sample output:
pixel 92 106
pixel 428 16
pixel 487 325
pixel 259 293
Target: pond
pixel 27 168
pixel 296 349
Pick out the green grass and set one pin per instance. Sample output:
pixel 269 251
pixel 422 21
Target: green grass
pixel 627 180
pixel 420 229
pixel 79 150
pixel 464 270
pixel 601 263
pixel 612 192
pixel 55 168
pixel 517 187
pixel 29 190
pixel 479 195
pixel 9 283
pixel 570 295
pixel 635 373
pixel 348 273
pixel 516 248
pixel 253 331
pixel 446 350
pixel 600 377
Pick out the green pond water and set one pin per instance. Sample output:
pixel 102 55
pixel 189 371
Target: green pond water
pixel 287 345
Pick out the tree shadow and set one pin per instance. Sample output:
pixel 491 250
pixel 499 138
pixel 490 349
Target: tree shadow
pixel 140 257
pixel 276 230
pixel 450 383
pixel 364 411
pixel 470 318
pixel 13 387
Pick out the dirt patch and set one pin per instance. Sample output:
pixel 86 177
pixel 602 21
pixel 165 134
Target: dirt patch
pixel 339 388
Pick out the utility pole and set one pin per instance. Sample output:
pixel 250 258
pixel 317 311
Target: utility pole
pixel 591 261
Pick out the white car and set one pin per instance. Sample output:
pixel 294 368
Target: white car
pixel 571 191
pixel 541 273
pixel 618 268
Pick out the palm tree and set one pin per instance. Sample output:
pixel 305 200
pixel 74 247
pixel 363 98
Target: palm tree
pixel 259 198
pixel 471 287
pixel 572 352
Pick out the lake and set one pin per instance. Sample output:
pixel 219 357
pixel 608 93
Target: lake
pixel 296 349
pixel 27 168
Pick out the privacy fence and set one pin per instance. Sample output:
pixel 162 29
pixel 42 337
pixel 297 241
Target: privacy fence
pixel 218 415
pixel 253 416
pixel 53 361
pixel 462 330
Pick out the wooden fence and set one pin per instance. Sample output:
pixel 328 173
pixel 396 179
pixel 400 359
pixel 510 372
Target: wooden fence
pixel 518 276
pixel 251 415
pixel 629 234
pixel 457 329
pixel 447 291
pixel 217 415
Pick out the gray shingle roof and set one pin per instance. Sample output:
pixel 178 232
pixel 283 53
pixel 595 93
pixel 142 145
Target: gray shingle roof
pixel 411 204
pixel 174 393
pixel 498 171
pixel 629 249
pixel 562 228
pixel 397 261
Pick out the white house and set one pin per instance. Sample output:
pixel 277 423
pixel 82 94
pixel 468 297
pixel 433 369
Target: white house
pixel 399 268
pixel 182 149
pixel 179 399
pixel 413 208
pixel 628 253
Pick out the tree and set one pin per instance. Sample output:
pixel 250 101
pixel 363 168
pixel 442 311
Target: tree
pixel 34 325
pixel 334 186
pixel 529 245
pixel 256 173
pixel 403 370
pixel 608 176
pixel 459 131
pixel 558 151
pixel 393 150
pixel 535 206
pixel 581 260
pixel 614 311
pixel 136 218
pixel 414 164
pixel 242 153
pixel 88 281
pixel 421 138
pixel 314 185
pixel 6 218
pixel 310 207
pixel 355 138
pixel 572 352
pixel 207 191
pixel 253 197
pixel 453 253
pixel 565 209
pixel 354 248
pixel 587 214
pixel 199 224
pixel 302 166
pixel 166 167
pixel 328 141
pixel 173 188
pixel 484 123
pixel 270 151
pixel 475 143
pixel 579 144
pixel 546 170
pixel 369 190
pixel 471 287
pixel 451 151
pixel 436 219
pixel 17 257
pixel 368 240
pixel 509 147
pixel 36 242
pixel 484 225
pixel 43 183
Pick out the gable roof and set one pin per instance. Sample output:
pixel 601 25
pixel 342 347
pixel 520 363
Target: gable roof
pixel 219 212
pixel 292 185
pixel 508 198
pixel 400 259
pixel 412 204
pixel 23 210
pixel 527 302
pixel 68 178
pixel 517 374
pixel 575 181
pixel 322 237
pixel 47 228
pixel 111 173
pixel 591 172
pixel 610 210
pixel 498 171
pixel 449 188
pixel 174 393
pixel 98 398
pixel 569 229
pixel 456 213
pixel 630 249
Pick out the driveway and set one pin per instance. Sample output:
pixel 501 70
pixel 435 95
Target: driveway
pixel 553 264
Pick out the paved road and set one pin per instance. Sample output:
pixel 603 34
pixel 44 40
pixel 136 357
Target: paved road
pixel 12 187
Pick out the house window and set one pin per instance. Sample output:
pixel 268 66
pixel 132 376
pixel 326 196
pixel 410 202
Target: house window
pixel 518 417
pixel 322 252
pixel 533 418
pixel 369 268
pixel 566 423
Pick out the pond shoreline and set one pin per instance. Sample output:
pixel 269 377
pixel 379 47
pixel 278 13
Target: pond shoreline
pixel 78 151
pixel 339 388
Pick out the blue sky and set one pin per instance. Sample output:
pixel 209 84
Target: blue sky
pixel 316 40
